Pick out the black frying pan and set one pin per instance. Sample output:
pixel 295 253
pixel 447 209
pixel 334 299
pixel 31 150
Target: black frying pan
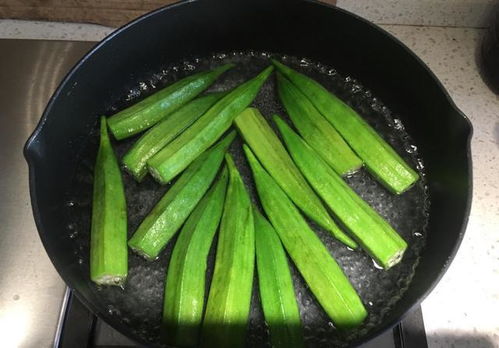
pixel 374 72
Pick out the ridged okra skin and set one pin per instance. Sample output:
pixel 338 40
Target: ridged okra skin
pixel 326 280
pixel 152 109
pixel 185 280
pixel 380 158
pixel 178 154
pixel 373 233
pixel 258 134
pixel 276 287
pixel 226 317
pixel 172 210
pixel 108 235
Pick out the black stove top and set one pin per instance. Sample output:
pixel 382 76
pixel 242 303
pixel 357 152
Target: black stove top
pixel 78 327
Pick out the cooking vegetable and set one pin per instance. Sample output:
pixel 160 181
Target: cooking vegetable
pixel 152 109
pixel 185 281
pixel 165 131
pixel 229 299
pixel 326 280
pixel 171 211
pixel 374 234
pixel 276 287
pixel 316 130
pixel 273 156
pixel 177 155
pixel 108 250
pixel 380 158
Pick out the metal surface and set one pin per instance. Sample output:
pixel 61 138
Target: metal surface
pixel 31 291
pixel 81 329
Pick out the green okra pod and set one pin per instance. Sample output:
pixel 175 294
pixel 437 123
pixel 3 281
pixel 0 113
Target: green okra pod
pixel 152 109
pixel 380 158
pixel 326 280
pixel 316 130
pixel 151 142
pixel 108 250
pixel 226 317
pixel 177 155
pixel 276 287
pixel 171 211
pixel 268 148
pixel 373 233
pixel 185 281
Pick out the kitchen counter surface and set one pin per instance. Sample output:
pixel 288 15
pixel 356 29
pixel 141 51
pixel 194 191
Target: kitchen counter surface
pixel 460 312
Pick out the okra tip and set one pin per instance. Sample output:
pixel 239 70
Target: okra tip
pixel 279 66
pixel 230 162
pixel 253 162
pixel 265 72
pixel 104 135
pixel 278 120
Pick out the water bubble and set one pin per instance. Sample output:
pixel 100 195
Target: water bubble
pixel 376 265
pixel 304 62
pixel 419 165
pixel 332 72
pixel 143 85
pixel 355 89
pixel 370 303
pixel 189 67
pixel 70 203
pixel 132 94
pixel 411 148
pixel 73 234
pixel 397 124
pixel 418 234
pixel 112 310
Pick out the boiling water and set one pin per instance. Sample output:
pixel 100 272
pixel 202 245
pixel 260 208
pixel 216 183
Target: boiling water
pixel 139 304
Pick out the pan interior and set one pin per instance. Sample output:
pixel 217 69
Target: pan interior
pixel 138 306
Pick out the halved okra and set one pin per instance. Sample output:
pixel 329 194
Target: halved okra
pixel 171 211
pixel 268 148
pixel 152 109
pixel 373 233
pixel 380 158
pixel 108 249
pixel 185 281
pixel 229 299
pixel 177 155
pixel 326 280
